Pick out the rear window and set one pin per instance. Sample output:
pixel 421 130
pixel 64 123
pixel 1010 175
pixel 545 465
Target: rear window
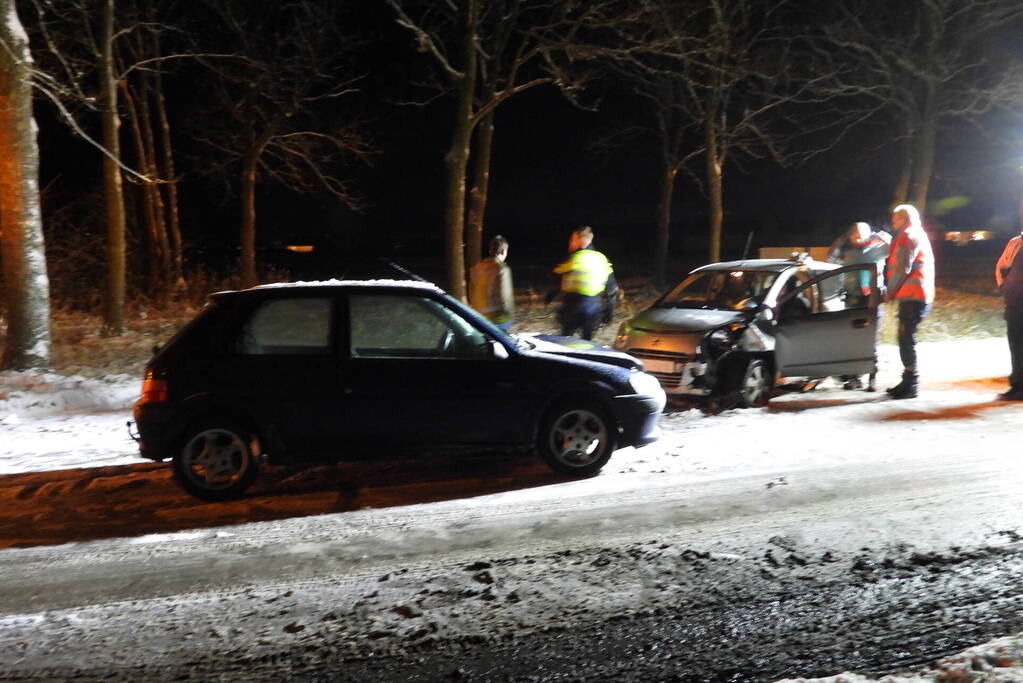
pixel 293 326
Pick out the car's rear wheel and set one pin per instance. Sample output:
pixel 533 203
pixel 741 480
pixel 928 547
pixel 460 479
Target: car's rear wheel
pixel 576 438
pixel 216 460
pixel 755 384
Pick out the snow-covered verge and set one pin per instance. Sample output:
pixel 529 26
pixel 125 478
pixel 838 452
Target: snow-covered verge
pixel 53 423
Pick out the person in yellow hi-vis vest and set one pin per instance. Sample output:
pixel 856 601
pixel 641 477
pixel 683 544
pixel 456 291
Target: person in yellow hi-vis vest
pixel 588 287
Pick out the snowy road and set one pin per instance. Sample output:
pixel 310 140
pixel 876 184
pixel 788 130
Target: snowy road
pixel 745 529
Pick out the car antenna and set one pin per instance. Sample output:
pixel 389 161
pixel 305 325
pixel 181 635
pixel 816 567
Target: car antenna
pixel 406 271
pixel 745 250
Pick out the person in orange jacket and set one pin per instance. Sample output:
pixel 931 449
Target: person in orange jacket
pixel 910 281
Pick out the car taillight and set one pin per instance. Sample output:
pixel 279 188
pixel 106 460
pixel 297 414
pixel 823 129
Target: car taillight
pixel 153 390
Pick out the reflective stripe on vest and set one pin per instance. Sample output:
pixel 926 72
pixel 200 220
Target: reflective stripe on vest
pixel 585 272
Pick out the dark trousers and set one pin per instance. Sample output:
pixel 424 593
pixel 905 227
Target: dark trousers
pixel 579 312
pixel 911 314
pixel 1014 331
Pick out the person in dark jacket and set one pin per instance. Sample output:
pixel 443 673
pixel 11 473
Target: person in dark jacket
pixel 861 244
pixel 1009 277
pixel 588 288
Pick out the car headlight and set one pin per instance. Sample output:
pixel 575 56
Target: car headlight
pixel 643 383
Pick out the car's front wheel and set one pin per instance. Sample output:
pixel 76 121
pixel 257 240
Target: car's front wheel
pixel 576 438
pixel 755 384
pixel 216 460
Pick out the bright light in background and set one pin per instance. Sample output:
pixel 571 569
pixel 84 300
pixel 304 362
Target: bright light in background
pixel 300 248
pixel 961 237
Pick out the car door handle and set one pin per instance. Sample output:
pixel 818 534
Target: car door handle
pixel 860 323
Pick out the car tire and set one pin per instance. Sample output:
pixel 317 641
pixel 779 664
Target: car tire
pixel 576 438
pixel 754 384
pixel 216 460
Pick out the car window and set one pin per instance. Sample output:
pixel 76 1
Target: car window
pixel 398 326
pixel 293 326
pixel 843 291
pixel 800 304
pixel 725 289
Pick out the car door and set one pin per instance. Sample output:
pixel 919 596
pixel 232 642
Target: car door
pixel 417 372
pixel 285 364
pixel 828 325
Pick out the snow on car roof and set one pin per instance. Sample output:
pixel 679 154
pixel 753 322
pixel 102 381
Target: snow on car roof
pixel 407 284
pixel 416 284
pixel 770 264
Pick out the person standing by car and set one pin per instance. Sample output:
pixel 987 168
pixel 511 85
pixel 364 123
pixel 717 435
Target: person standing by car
pixel 490 285
pixel 588 287
pixel 910 274
pixel 861 244
pixel 1009 278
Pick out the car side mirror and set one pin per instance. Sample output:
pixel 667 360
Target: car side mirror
pixel 496 350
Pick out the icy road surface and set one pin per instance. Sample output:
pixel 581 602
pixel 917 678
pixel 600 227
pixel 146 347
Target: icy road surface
pixel 831 531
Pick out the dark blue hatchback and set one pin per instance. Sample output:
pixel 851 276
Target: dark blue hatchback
pixel 354 369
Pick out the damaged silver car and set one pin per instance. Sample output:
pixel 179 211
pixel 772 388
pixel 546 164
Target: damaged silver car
pixel 741 328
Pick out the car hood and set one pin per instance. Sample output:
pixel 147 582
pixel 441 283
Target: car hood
pixel 580 348
pixel 682 320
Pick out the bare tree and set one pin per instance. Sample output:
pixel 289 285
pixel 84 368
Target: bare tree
pixel 292 67
pixel 22 255
pixel 486 52
pixel 928 63
pixel 92 66
pixel 717 74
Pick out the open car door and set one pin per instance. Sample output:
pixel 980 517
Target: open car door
pixel 829 324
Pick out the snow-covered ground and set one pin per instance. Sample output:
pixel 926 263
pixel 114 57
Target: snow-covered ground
pixel 49 422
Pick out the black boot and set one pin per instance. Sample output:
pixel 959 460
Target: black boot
pixel 907 388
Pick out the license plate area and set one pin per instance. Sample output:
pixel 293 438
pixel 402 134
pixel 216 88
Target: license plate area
pixel 661 365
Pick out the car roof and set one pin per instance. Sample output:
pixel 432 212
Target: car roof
pixel 772 265
pixel 333 285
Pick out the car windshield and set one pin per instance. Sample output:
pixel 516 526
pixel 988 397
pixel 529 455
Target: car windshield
pixel 724 289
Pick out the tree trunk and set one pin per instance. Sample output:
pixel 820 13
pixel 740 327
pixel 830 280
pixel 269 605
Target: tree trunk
pixel 715 204
pixel 923 155
pixel 155 241
pixel 457 159
pixel 113 312
pixel 900 194
pixel 663 235
pixel 152 188
pixel 170 188
pixel 480 189
pixel 22 253
pixel 248 219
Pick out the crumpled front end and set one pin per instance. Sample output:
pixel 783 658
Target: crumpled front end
pixel 686 363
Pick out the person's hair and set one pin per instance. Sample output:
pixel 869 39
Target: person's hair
pixel 860 230
pixel 498 244
pixel 585 234
pixel 911 212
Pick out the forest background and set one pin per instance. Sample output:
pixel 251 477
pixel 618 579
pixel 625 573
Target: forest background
pixel 182 147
